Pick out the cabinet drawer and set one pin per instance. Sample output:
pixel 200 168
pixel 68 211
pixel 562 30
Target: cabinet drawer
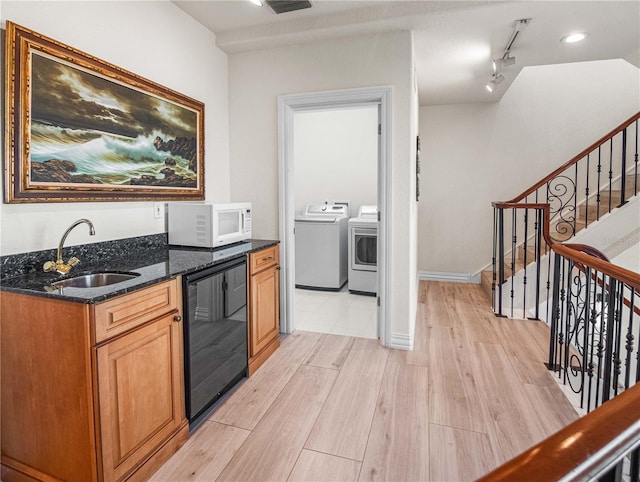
pixel 263 259
pixel 124 313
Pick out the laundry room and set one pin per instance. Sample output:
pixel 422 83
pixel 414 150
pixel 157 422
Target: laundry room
pixel 336 154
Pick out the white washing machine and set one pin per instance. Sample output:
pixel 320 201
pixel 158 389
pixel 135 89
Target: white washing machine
pixel 322 247
pixel 363 251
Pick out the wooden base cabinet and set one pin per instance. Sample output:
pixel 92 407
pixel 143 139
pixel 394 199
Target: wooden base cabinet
pixel 264 305
pixel 140 394
pixel 91 393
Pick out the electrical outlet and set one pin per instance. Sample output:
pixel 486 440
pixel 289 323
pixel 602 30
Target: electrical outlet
pixel 158 210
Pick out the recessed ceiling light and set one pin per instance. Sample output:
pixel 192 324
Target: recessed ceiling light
pixel 575 37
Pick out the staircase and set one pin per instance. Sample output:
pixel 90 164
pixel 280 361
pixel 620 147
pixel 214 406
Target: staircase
pixel 578 194
pixel 591 305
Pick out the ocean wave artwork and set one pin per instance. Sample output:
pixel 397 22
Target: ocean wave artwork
pixel 88 129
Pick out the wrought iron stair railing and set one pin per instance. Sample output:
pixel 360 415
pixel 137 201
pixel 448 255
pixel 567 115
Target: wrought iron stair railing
pixel 593 350
pixel 595 325
pixel 596 181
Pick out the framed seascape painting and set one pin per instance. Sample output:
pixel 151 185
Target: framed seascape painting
pixel 80 129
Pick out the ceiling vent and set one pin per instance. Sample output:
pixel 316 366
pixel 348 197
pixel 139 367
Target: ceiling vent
pixel 284 6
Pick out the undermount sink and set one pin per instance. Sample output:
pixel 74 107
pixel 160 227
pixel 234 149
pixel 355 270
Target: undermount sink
pixel 94 280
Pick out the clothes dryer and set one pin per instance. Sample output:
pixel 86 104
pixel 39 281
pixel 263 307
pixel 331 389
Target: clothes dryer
pixel 363 251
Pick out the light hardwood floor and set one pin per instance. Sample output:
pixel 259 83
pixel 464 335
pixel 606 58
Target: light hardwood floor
pixel 472 394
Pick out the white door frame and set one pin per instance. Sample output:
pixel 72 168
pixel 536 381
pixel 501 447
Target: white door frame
pixel 287 106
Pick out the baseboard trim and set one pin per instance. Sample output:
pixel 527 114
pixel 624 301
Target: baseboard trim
pixel 473 278
pixel 401 341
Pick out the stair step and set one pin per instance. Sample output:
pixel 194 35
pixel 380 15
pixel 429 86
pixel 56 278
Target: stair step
pixel 631 182
pixel 562 235
pixel 595 211
pixel 531 252
pixel 507 268
pixel 486 280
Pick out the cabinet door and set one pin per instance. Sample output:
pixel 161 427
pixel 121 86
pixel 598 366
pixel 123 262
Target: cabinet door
pixel 265 309
pixel 140 389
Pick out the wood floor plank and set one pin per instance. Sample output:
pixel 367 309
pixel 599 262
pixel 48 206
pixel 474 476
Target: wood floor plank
pixel 543 397
pixel 331 351
pixel 539 332
pixel 521 341
pixel 318 467
pixel 454 397
pixel 271 451
pixel 343 426
pixel 252 399
pixel 438 307
pixel 458 455
pixel 398 447
pixel 516 423
pixel 512 334
pixel 205 454
pixel 470 311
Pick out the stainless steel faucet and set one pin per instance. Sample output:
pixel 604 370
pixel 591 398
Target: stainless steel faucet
pixel 59 265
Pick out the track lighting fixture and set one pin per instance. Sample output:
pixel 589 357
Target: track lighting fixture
pixel 495 80
pixel 499 64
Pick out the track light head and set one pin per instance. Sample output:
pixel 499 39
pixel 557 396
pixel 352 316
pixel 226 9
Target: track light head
pixel 500 64
pixel 497 79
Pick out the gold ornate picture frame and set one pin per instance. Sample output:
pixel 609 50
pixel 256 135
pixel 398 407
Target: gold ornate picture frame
pixel 80 129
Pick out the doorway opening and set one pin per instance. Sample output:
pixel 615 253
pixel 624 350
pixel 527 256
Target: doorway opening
pixel 290 105
pixel 335 179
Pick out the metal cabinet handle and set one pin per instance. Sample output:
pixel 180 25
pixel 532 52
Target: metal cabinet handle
pixel 177 318
pixel 270 258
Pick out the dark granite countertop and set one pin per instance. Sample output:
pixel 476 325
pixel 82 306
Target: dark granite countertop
pixel 153 261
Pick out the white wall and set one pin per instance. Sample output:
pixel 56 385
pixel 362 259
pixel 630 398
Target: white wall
pixel 336 157
pixel 474 154
pixel 153 39
pixel 629 259
pixel 257 78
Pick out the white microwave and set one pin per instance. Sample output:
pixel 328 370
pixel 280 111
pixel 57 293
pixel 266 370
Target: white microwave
pixel 208 225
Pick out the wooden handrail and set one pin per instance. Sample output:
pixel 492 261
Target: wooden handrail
pixel 582 450
pixel 619 273
pixel 590 250
pixel 546 215
pixel 585 248
pixel 576 158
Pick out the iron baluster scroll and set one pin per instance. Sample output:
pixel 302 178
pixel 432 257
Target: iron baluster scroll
pixel 561 198
pixel 596 319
